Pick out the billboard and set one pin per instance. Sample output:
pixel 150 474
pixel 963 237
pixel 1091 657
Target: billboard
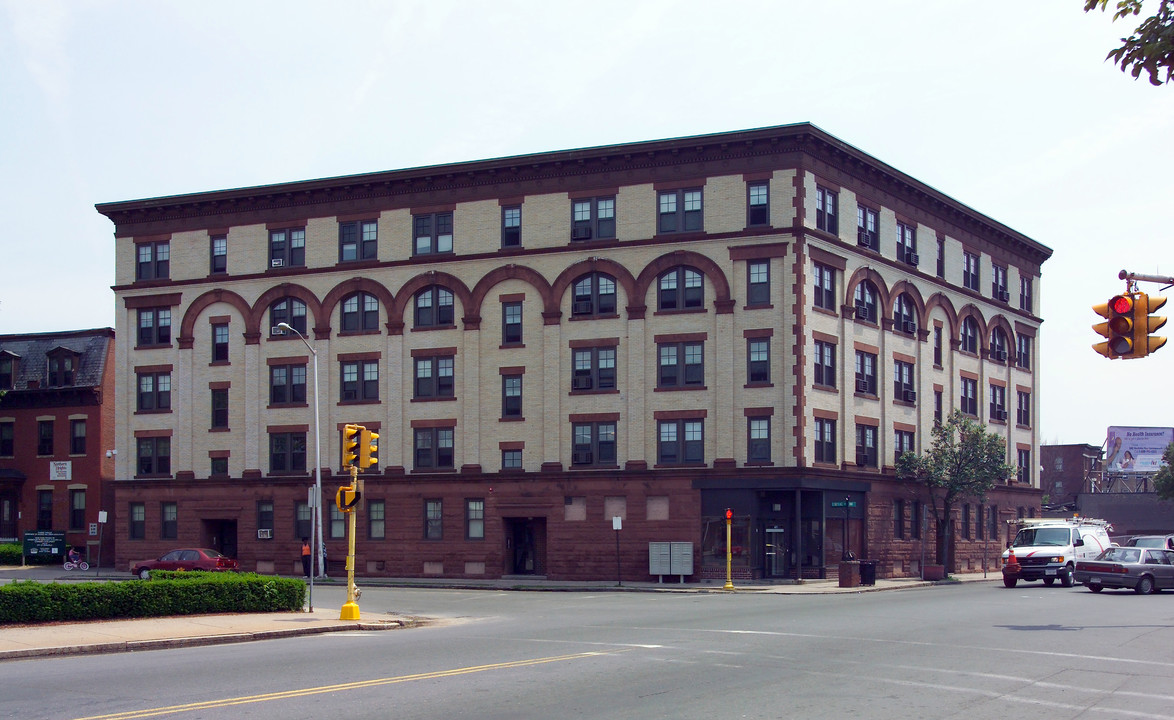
pixel 1136 449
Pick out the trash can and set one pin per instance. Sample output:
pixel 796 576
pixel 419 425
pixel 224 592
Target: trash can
pixel 868 572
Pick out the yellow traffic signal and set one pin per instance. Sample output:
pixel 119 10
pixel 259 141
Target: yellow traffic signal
pixel 346 498
pixel 1118 326
pixel 368 446
pixel 1144 324
pixel 350 444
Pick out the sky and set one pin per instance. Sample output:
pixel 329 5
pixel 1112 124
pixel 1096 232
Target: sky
pixel 1009 108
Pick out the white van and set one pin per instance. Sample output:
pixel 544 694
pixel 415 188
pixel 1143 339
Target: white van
pixel 1047 548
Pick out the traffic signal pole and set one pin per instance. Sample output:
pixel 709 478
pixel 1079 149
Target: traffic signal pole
pixel 350 611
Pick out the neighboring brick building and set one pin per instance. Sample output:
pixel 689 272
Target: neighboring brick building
pixel 56 425
pixel 655 331
pixel 1066 471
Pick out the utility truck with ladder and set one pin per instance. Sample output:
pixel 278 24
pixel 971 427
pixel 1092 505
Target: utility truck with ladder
pixel 1047 548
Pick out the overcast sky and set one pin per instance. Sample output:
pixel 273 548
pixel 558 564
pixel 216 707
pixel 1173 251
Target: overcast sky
pixel 1009 108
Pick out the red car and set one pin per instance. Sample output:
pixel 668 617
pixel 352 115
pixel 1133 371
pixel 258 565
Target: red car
pixel 185 559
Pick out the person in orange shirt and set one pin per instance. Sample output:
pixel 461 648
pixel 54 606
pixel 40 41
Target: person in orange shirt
pixel 306 557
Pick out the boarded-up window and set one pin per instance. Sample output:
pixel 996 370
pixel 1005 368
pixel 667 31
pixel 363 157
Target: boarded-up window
pixel 658 507
pixel 575 509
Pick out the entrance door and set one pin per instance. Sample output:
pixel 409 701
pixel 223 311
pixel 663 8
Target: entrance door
pixel 221 535
pixel 8 515
pixel 525 540
pixel 778 553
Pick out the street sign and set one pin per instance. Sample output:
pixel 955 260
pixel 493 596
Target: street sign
pixel 842 503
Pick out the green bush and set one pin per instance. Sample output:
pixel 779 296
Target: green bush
pixel 167 593
pixel 10 554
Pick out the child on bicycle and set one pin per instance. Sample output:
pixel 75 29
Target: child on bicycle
pixel 73 555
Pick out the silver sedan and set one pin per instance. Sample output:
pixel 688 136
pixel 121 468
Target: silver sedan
pixel 1142 569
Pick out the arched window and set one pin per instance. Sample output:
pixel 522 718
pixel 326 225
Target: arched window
pixel 434 307
pixel 969 338
pixel 904 315
pixel 865 301
pixel 594 296
pixel 287 310
pixel 682 288
pixel 998 349
pixel 360 311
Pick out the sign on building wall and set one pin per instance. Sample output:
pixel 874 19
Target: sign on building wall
pixel 61 470
pixel 1136 449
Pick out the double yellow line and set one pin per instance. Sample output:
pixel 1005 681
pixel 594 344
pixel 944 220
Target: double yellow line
pixel 358 685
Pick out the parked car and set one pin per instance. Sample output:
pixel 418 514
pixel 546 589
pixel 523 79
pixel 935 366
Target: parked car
pixel 185 559
pixel 1154 541
pixel 1140 568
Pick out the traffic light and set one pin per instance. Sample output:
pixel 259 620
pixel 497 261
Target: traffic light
pixel 729 515
pixel 368 446
pixel 1118 326
pixel 350 444
pixel 1144 324
pixel 346 498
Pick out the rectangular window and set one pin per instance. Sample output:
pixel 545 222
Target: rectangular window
pixel 44 437
pixel 907 244
pixel 433 520
pixel 903 443
pixel 137 521
pixel 169 514
pixel 825 440
pixel 593 369
pixel 866 446
pixel 825 287
pixel 265 517
pixel 154 456
pixel 758 283
pixel 915 520
pixel 593 218
pixel 511 396
pixel 593 444
pixel 7 372
pixel 358 240
pixel 287 384
pixel 865 373
pixel 866 228
pixel 77 437
pixel 218 255
pixel 680 442
pixel 937 406
pixel 77 510
pixel 337 527
pixel 827 210
pixel 218 466
pixel 1025 299
pixel 154 326
pixel 758 361
pixel 903 387
pixel 511 323
pixel 1024 466
pixel 287 452
pixel 511 459
pixel 999 283
pixel 7 439
pixel 825 364
pixel 758 439
pixel 511 226
pixel 998 403
pixel 937 346
pixel 966 521
pixel 433 234
pixel 978 523
pixel 220 343
pixel 969 404
pixel 474 519
pixel 1023 412
pixel 970 277
pixel 287 248
pixel 681 365
pixel 435 377
pixel 154 261
pixel 360 381
pixel 220 408
pixel 941 269
pixel 899 519
pixel 61 368
pixel 154 392
pixel 679 211
pixel 376 520
pixel 433 448
pixel 44 509
pixel 303 520
pixel 1023 352
pixel 758 203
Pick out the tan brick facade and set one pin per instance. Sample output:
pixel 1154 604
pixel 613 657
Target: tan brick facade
pixel 549 516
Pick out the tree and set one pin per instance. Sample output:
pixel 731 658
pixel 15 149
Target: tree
pixel 963 461
pixel 1150 47
pixel 1164 479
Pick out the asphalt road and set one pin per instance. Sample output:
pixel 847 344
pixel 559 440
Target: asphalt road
pixel 964 651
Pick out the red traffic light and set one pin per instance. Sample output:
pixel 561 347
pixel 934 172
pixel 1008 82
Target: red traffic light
pixel 1121 304
pixel 729 514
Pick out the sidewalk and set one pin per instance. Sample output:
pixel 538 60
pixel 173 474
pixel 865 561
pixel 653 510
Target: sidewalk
pixel 108 636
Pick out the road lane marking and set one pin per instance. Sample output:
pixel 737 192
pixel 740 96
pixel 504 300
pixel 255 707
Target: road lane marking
pixel 322 689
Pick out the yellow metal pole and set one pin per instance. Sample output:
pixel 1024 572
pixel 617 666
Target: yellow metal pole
pixel 350 611
pixel 729 554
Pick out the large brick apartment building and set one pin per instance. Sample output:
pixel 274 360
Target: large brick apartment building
pixel 655 331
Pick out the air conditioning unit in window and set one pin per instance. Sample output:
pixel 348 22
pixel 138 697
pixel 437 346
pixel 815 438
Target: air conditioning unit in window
pixel 909 327
pixel 582 307
pixel 861 312
pixel 265 534
pixel 909 396
pixel 350 395
pixel 276 330
pixel 277 262
pixel 1000 355
pixel 861 459
pixel 1004 295
pixel 582 457
pixel 862 386
pixel 912 258
pixel 581 233
pixel 581 383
